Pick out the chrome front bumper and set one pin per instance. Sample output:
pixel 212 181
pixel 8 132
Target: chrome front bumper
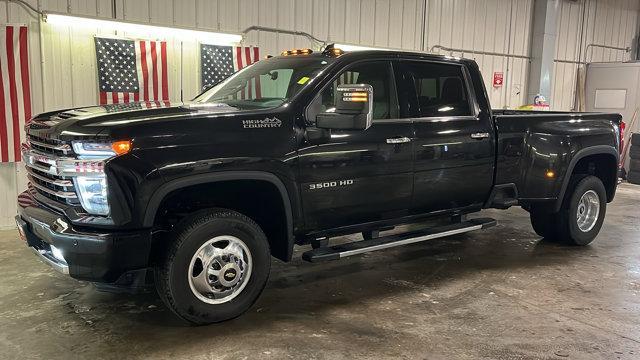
pixel 48 258
pixel 46 255
pixel 97 256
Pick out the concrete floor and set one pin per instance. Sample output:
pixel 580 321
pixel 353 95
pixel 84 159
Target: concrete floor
pixel 494 294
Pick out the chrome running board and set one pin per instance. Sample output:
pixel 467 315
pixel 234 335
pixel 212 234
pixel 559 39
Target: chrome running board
pixel 359 247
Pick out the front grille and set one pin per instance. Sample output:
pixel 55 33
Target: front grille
pixel 42 174
pixel 55 187
pixel 49 146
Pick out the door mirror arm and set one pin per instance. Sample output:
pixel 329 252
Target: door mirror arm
pixel 316 135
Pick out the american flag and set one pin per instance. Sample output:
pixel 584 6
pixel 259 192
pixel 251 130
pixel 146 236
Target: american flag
pixel 217 62
pixel 15 93
pixel 131 70
pixel 139 105
pixel 347 78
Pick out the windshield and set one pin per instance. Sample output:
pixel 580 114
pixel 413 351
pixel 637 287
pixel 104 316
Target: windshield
pixel 266 84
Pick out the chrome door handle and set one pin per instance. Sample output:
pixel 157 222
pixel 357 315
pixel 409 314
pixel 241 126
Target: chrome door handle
pixel 398 140
pixel 480 136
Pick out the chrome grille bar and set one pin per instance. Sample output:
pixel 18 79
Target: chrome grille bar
pixel 61 147
pixel 57 182
pixel 46 160
pixel 60 194
pixel 39 168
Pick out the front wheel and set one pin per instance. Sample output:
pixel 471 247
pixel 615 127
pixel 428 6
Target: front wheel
pixel 579 220
pixel 216 267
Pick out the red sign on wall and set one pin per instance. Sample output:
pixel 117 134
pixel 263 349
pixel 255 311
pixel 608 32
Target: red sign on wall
pixel 498 79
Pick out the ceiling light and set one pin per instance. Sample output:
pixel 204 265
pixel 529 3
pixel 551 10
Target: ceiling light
pixel 350 47
pixel 142 29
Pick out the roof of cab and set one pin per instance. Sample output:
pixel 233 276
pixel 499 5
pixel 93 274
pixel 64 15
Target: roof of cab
pixel 367 54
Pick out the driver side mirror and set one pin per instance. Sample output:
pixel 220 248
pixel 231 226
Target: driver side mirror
pixel 353 111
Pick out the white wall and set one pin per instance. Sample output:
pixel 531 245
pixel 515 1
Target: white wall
pixel 502 26
pixel 583 22
pixel 65 76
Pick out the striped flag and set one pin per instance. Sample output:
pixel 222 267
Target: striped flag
pixel 15 92
pixel 131 70
pixel 347 78
pixel 217 62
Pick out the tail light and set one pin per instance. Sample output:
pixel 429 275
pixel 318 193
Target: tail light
pixel 622 126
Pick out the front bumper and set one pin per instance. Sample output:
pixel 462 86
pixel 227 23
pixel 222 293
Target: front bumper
pixel 97 256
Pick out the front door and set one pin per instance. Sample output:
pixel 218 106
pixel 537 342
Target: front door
pixel 359 176
pixel 454 150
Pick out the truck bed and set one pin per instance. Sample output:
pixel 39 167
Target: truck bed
pixel 510 112
pixel 531 143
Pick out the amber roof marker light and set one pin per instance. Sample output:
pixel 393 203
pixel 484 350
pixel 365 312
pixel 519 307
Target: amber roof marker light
pixel 332 50
pixel 296 52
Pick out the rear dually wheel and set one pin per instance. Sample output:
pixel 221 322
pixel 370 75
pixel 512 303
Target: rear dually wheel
pixel 581 216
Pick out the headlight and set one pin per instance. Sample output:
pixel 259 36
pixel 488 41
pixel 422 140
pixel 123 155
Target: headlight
pixel 88 172
pixel 101 149
pixel 92 191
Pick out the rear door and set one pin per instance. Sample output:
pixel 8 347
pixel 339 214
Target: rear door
pixel 453 147
pixel 359 176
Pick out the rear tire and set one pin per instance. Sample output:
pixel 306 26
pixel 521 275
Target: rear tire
pixel 583 210
pixel 215 269
pixel 634 177
pixel 542 222
pixel 581 216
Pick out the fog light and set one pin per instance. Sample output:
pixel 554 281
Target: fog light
pixel 57 253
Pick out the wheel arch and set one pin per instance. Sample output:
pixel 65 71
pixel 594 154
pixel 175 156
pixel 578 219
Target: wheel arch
pixel 170 187
pixel 606 152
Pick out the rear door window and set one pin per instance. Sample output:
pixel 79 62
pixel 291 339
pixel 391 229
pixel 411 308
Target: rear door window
pixel 435 90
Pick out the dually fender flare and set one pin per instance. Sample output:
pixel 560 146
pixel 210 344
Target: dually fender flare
pixel 592 150
pixel 167 188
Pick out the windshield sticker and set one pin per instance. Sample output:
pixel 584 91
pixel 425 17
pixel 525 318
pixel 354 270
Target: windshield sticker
pixel 303 80
pixel 259 124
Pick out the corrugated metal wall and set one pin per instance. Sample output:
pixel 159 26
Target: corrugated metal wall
pixel 501 26
pixel 583 23
pixel 497 26
pixel 65 75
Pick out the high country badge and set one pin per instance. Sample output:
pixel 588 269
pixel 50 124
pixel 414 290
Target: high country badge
pixel 266 123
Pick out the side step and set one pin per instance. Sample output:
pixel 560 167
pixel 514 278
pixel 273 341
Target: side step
pixel 359 247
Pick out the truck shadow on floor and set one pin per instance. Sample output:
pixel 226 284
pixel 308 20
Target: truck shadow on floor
pixel 447 270
pixel 435 278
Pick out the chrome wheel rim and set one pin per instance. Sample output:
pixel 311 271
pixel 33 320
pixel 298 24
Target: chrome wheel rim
pixel 588 211
pixel 220 269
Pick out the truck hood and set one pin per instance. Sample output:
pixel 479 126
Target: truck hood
pixel 94 121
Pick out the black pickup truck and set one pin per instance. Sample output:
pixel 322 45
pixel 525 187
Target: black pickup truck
pixel 294 150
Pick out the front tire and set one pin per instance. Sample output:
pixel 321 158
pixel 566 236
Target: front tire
pixel 216 268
